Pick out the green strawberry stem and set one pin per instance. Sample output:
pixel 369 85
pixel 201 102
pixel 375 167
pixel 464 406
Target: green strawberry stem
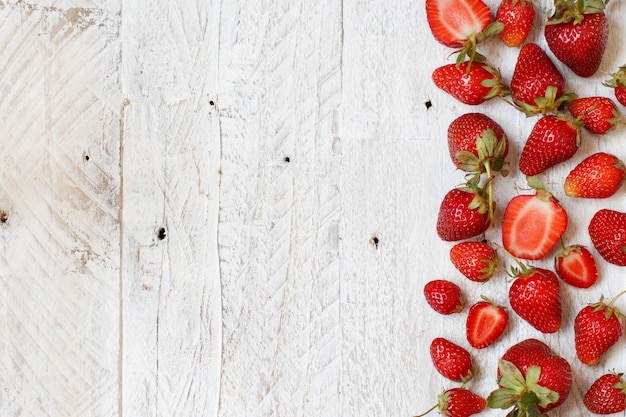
pixel 490 192
pixel 614 299
pixel 469 46
pixel 429 410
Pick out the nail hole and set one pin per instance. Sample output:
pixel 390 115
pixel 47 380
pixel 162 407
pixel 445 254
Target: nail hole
pixel 161 234
pixel 211 103
pixel 4 216
pixel 86 157
pixel 374 241
pixel 287 159
pixel 428 104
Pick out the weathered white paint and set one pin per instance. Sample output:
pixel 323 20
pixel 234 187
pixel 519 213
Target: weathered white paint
pixel 226 208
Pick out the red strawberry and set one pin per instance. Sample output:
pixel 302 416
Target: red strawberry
pixel 577 33
pixel 532 379
pixel 477 261
pixel 458 402
pixel 533 224
pixel 553 139
pixel 607 230
pixel 576 266
pixel 461 24
pixel 536 297
pixel 471 85
pixel 444 296
pixel 598 176
pixel 486 321
pixel 533 76
pixel 607 395
pixel 517 16
pixel 597 114
pixel 462 214
pixel 618 83
pixel 597 327
pixel 451 360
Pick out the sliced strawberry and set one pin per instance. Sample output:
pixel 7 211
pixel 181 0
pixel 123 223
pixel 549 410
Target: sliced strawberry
pixel 453 22
pixel 533 224
pixel 576 266
pixel 486 321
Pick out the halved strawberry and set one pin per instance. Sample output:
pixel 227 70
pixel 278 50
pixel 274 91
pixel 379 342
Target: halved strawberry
pixel 533 224
pixel 485 322
pixel 576 266
pixel 461 24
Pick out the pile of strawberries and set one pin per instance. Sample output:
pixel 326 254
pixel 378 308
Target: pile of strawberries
pixel 531 378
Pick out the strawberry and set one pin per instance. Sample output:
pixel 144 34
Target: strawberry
pixel 532 379
pixel 486 321
pixel 462 214
pixel 477 261
pixel 533 75
pixel 618 83
pixel 576 266
pixel 598 176
pixel 517 16
pixel 471 85
pixel 461 24
pixel 607 230
pixel 597 114
pixel 445 297
pixel 577 33
pixel 552 140
pixel 535 296
pixel 451 360
pixel 607 394
pixel 533 224
pixel 597 327
pixel 458 402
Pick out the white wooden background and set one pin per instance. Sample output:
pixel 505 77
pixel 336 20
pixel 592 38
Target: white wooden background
pixel 227 208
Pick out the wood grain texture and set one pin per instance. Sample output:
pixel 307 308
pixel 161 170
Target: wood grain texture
pixel 59 286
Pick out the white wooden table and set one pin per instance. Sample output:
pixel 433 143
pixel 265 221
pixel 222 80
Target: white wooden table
pixel 227 208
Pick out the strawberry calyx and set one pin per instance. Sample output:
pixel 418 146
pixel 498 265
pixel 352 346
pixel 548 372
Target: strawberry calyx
pixel 566 11
pixel 490 153
pixel 483 200
pixel 468 51
pixel 521 392
pixel 608 309
pixel 497 87
pixel 618 79
pixel 549 103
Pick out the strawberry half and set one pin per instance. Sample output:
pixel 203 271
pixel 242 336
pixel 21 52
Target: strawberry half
pixel 532 379
pixel 461 24
pixel 443 296
pixel 517 17
pixel 598 176
pixel 458 402
pixel 471 85
pixel 533 224
pixel 477 261
pixel 597 327
pixel 552 140
pixel 462 214
pixel 577 33
pixel 618 83
pixel 451 360
pixel 535 296
pixel 576 266
pixel 607 232
pixel 597 114
pixel 486 321
pixel 607 394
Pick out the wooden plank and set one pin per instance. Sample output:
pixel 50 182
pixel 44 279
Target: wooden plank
pixel 59 263
pixel 171 317
pixel 279 236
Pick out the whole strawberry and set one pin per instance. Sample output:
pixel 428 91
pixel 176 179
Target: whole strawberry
pixel 458 402
pixel 470 85
pixel 552 140
pixel 597 327
pixel 533 224
pixel 618 83
pixel 451 360
pixel 443 296
pixel 598 176
pixel 576 266
pixel 485 322
pixel 462 214
pixel 532 379
pixel 607 394
pixel 517 16
pixel 536 85
pixel 597 114
pixel 577 33
pixel 477 261
pixel 536 297
pixel 606 230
